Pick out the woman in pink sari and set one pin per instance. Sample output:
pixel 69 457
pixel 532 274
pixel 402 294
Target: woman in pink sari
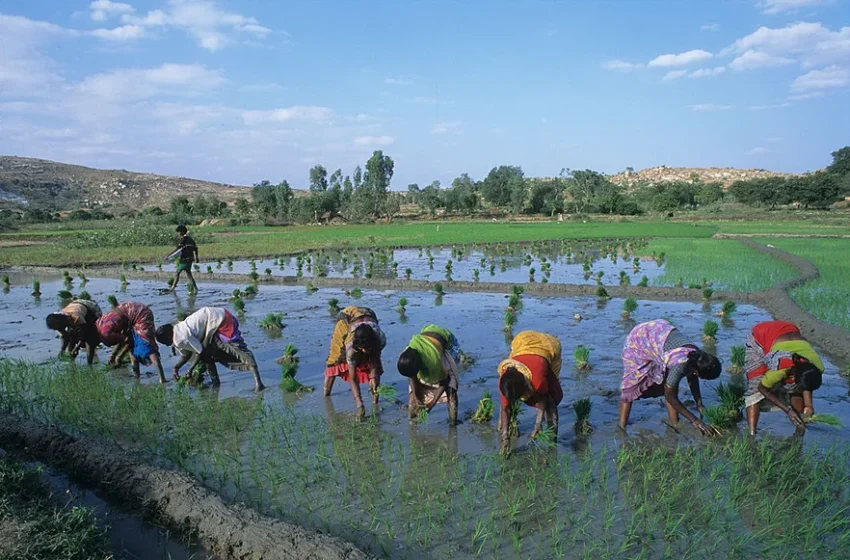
pixel 130 328
pixel 656 356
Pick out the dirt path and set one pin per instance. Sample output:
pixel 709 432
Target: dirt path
pixel 176 500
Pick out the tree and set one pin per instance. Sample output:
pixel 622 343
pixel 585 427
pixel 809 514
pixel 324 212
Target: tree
pixel 413 193
pixel 545 196
pixel 583 187
pixel 318 179
pixel 430 198
pixel 357 176
pixel 180 209
pixel 503 187
pixel 242 207
pixel 709 193
pixel 840 162
pixel 817 190
pixel 463 196
pixel 376 182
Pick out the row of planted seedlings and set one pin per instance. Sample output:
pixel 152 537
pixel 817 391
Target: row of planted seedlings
pixel 731 498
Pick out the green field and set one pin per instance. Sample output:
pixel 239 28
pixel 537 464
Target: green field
pixel 828 297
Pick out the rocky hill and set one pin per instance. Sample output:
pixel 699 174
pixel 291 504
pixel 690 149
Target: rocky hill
pixel 664 174
pixel 60 186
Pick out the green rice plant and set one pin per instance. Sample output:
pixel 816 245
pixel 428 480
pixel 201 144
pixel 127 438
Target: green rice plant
pixel 250 290
pixel 719 418
pixel 465 360
pixel 513 419
pixel 707 293
pixel 827 419
pixel 82 277
pixel 581 356
pixel 484 411
pixel 517 290
pixel 582 408
pixel 408 273
pixel 387 392
pixel 728 308
pixel 510 321
pixel 602 293
pixel 197 267
pixel 254 276
pixel 476 275
pixel 209 269
pixel 625 279
pixel 402 305
pixel 731 397
pixel 422 416
pixel 289 368
pixel 333 306
pixel 236 293
pixel 268 272
pixel 311 288
pixel 84 295
pixel 629 307
pixel 239 304
pixel 738 357
pixel 514 302
pixel 531 272
pixel 546 438
pixel 272 321
pixel 113 301
pixel 709 331
pixel 356 293
pixel 36 288
pixel 694 286
pixel 123 279
pixel 438 289
pixel 65 295
pixel 636 264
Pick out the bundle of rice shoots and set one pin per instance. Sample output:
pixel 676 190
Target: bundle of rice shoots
pixel 84 295
pixel 731 397
pixel 333 306
pixel 728 308
pixel 484 412
pixel 602 293
pixel 65 295
pixel 827 419
pixel 113 301
pixel 709 331
pixel 629 307
pixel 513 422
pixel 387 392
pixel 707 293
pixel 738 357
pixel 581 355
pixel 272 321
pixel 582 408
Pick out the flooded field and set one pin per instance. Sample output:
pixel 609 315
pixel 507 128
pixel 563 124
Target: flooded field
pixel 400 488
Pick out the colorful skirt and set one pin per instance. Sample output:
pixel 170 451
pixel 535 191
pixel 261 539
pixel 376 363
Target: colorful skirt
pixel 362 372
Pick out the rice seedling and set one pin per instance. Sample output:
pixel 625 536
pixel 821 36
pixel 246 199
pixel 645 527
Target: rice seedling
pixel 510 321
pixel 238 304
pixel 113 301
pixel 484 412
pixel 644 282
pixel 408 273
pixel 387 392
pixel 254 276
pixel 514 302
pixel 625 279
pixel 476 275
pixel 731 397
pixel 465 360
pixel 209 269
pixel 65 295
pixel 356 293
pixel 629 307
pixel 728 309
pixel 250 290
pixel 36 288
pixel 581 356
pixel 826 419
pixel 599 276
pixel 602 293
pixel 582 408
pixel 422 416
pixel 719 418
pixel 438 289
pixel 272 322
pixel 311 288
pixel 513 419
pixel 636 264
pixel 517 290
pixel 707 293
pixel 709 331
pixel 402 305
pixel 333 306
pixel 737 358
pixel 268 272
pixel 197 267
pixel 123 279
pixel 82 277
pixel 289 367
pixel 546 438
pixel 531 272
pixel 84 295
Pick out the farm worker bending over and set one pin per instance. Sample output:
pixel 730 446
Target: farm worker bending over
pixel 430 363
pixel 188 255
pixel 656 356
pixel 783 368
pixel 77 325
pixel 130 328
pixel 530 375
pixel 355 353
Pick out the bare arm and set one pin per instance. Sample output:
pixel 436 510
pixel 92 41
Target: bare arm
pixel 672 397
pixel 693 383
pixel 158 365
pixel 184 358
pixel 504 422
pixel 795 417
pixel 808 403
pixel 541 406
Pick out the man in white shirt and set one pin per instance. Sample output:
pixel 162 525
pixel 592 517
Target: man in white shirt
pixel 210 335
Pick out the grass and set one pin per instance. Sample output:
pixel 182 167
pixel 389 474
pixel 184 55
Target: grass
pixel 245 242
pixel 828 297
pixel 728 263
pixel 396 498
pixel 35 528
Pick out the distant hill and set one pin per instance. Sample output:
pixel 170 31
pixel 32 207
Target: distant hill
pixel 60 186
pixel 664 174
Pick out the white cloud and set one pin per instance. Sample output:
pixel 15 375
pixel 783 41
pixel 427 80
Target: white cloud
pixel 622 65
pixel 713 27
pixel 707 72
pixel 22 68
pixel 674 75
pixel 760 150
pixel 772 7
pixel 122 33
pixel 705 107
pixel 805 96
pixel 373 141
pixel 307 113
pixel 136 84
pixel 398 81
pixel 212 27
pixel 757 59
pixel 828 78
pixel 101 10
pixel 810 44
pixel 681 59
pixel 447 127
pixel 766 107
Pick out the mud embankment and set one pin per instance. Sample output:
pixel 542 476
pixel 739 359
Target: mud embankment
pixel 175 500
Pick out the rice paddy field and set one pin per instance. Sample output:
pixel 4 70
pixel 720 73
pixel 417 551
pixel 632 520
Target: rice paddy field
pixel 410 489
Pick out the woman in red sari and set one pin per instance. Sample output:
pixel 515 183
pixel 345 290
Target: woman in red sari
pixel 130 328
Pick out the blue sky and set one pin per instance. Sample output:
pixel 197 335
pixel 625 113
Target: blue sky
pixel 243 91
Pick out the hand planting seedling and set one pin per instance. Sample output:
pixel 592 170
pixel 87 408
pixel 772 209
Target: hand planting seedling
pixel 718 419
pixel 333 306
pixel 546 438
pixel 272 322
pixel 738 357
pixel 709 331
pixel 582 409
pixel 629 307
pixel 581 356
pixel 484 412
